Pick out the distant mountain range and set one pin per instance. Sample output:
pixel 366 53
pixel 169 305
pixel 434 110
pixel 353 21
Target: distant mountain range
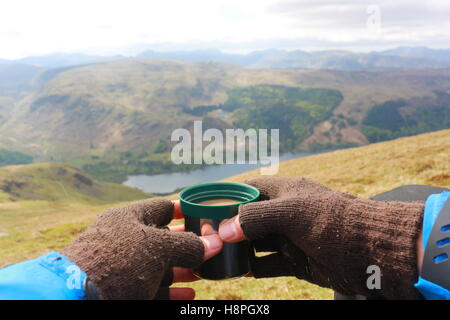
pixel 58 60
pixel 17 76
pixel 401 58
pixel 441 55
pixel 394 59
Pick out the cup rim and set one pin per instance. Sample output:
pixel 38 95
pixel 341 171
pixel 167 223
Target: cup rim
pixel 180 194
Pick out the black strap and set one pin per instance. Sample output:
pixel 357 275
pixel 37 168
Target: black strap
pixel 436 263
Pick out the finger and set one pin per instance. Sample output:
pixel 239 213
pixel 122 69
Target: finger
pixel 177 213
pixel 152 212
pixel 273 265
pixel 231 231
pixel 178 228
pixel 260 219
pixel 183 249
pixel 187 250
pixel 267 186
pixel 184 275
pixel 212 244
pixel 181 294
pixel 207 229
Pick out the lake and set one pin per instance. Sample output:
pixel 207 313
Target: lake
pixel 169 182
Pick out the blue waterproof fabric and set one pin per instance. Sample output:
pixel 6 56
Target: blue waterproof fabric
pixel 49 277
pixel 433 207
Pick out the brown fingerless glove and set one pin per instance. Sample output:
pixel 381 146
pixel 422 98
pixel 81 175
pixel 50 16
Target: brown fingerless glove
pixel 126 253
pixel 331 238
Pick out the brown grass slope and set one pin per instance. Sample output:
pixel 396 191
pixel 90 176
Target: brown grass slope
pixel 60 182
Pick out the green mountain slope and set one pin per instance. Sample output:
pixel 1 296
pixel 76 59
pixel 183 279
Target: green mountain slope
pixel 10 158
pixel 59 182
pixel 16 81
pixel 16 77
pixel 394 119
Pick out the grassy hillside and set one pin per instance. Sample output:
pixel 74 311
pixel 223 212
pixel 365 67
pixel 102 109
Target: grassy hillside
pixel 16 82
pixel 59 182
pixel 369 170
pixel 33 227
pixel 119 106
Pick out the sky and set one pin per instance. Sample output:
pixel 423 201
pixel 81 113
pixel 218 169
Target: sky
pixel 109 27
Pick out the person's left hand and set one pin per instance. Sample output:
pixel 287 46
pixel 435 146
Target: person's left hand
pixel 128 253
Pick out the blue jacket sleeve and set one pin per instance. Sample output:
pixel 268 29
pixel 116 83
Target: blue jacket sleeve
pixel 49 277
pixel 433 207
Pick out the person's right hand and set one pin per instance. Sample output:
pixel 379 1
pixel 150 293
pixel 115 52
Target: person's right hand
pixel 329 238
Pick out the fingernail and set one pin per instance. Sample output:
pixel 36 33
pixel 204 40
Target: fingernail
pixel 212 242
pixel 228 230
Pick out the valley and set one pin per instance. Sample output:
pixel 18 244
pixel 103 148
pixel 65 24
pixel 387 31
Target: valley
pixel 114 119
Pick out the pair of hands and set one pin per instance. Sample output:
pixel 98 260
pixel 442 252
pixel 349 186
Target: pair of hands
pixel 325 237
pixel 128 252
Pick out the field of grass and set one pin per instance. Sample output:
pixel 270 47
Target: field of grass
pixel 30 228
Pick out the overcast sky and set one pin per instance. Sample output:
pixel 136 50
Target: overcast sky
pixel 36 27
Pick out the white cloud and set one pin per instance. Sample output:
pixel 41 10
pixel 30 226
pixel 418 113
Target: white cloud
pixel 111 26
pixel 346 21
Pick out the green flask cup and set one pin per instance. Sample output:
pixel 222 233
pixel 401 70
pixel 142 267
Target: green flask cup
pixel 234 259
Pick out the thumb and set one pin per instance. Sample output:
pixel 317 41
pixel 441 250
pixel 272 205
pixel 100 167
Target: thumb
pixel 267 186
pixel 257 220
pixel 231 230
pixel 155 211
pixel 187 250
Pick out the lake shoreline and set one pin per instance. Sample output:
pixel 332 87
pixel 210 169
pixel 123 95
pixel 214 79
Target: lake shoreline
pixel 169 183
